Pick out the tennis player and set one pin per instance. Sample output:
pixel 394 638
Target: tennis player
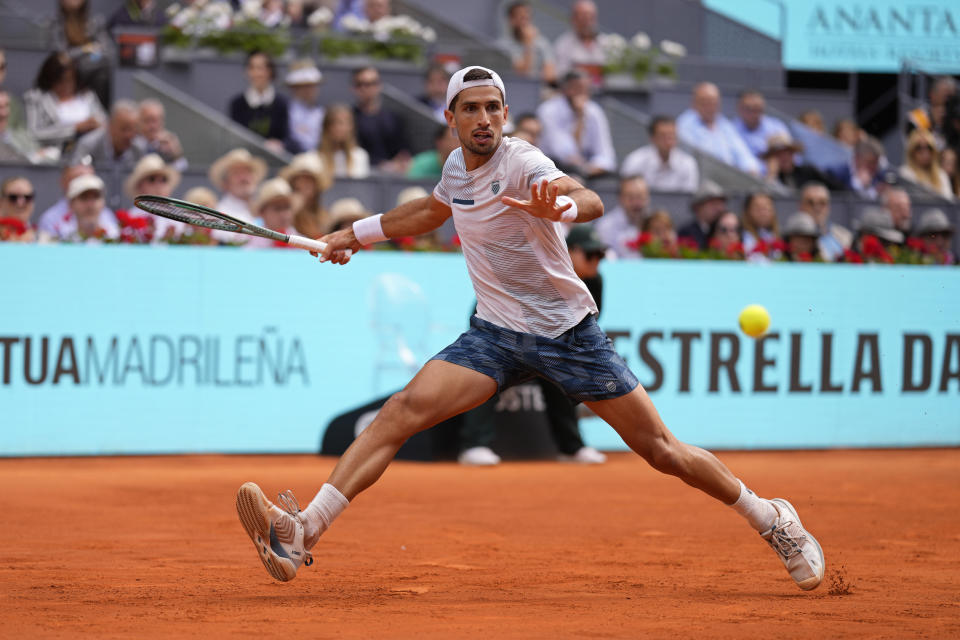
pixel 534 317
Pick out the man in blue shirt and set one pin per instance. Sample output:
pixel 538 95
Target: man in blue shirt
pixel 704 127
pixel 752 123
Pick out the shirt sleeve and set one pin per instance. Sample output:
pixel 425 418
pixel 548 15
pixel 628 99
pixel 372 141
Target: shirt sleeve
pixel 537 167
pixel 441 193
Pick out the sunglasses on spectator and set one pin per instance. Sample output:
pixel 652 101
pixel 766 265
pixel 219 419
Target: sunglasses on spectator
pixel 923 147
pixel 728 229
pixel 366 83
pixel 817 203
pixel 17 197
pixel 160 178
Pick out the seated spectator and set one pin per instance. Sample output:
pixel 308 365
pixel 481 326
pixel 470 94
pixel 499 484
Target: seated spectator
pixel 659 225
pixel 15 146
pixel 897 202
pixel 579 46
pixel 619 227
pixel 847 132
pixel 923 166
pixel 86 197
pixel 709 201
pixel 58 109
pixel 800 234
pixel 59 212
pixel 409 194
pixel 342 156
pixel 527 127
pixel 202 196
pixel 759 221
pixel 306 112
pixel 704 127
pixel 236 176
pixel 136 13
pixel 834 239
pixel 379 131
pixel 17 119
pixel 813 120
pixel 308 180
pixel 530 53
pixel 435 91
pixel 157 138
pixel 725 235
pixel 153 177
pixel 878 223
pixel 661 163
pixel 782 168
pixel 83 35
pixel 429 164
pixel 344 212
pixel 274 206
pixel 16 206
pixel 754 125
pixel 260 108
pixel 931 116
pixel 576 134
pixel 935 230
pixel 865 172
pixel 950 166
pixel 368 10
pixel 115 144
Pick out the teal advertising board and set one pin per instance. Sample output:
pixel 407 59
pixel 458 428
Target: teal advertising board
pixel 107 350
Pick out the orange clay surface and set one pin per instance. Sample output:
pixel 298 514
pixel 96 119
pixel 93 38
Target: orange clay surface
pixel 151 547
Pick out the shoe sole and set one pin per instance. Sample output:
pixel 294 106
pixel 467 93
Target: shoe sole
pixel 810 583
pixel 254 511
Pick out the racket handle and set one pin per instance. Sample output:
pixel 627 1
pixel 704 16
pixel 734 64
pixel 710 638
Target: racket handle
pixel 310 245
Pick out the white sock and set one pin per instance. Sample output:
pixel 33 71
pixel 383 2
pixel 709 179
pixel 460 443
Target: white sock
pixel 759 512
pixel 320 513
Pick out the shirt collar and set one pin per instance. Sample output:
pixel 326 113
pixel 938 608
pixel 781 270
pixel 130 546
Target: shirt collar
pixel 256 99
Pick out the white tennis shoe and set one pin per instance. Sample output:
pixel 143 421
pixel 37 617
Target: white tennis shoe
pixel 584 455
pixel 479 457
pixel 798 550
pixel 276 533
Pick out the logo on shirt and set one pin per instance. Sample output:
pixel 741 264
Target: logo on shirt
pixel 495 187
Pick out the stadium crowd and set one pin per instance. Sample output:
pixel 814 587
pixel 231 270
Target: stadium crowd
pixel 70 117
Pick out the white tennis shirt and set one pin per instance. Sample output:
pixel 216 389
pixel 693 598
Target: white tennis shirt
pixel 519 264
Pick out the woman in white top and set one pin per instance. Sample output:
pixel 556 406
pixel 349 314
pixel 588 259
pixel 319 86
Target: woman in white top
pixel 58 110
pixel 338 145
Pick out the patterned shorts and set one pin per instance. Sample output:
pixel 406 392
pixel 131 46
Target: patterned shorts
pixel 581 361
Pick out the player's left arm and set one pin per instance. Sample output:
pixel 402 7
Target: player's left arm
pixel 563 199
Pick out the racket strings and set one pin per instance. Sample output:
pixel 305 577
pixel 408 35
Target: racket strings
pixel 186 214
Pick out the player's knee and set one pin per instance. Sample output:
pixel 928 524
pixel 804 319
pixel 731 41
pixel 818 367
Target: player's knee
pixel 666 456
pixel 405 407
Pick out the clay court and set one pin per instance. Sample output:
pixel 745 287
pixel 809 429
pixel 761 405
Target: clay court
pixel 151 547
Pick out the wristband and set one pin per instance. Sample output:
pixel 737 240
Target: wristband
pixel 369 230
pixel 570 215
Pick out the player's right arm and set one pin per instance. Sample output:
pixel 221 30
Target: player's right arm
pixel 410 219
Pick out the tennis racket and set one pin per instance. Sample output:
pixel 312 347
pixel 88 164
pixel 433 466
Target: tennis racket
pixel 201 216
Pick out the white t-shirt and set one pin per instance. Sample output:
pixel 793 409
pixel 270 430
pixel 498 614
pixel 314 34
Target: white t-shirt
pixel 519 264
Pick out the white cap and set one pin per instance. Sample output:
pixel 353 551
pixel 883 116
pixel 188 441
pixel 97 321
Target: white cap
pixel 82 184
pixel 304 75
pixel 457 84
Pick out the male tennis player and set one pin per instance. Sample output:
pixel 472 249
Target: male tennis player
pixel 534 317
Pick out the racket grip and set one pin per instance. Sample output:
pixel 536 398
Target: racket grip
pixel 310 245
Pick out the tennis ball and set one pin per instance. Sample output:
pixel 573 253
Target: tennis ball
pixel 754 320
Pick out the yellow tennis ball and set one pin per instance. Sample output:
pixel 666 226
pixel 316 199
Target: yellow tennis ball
pixel 754 320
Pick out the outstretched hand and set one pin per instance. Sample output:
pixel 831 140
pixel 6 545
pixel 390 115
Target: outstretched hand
pixel 542 202
pixel 337 243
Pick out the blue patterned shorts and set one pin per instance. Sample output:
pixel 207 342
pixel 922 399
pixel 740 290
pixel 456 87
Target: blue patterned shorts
pixel 581 361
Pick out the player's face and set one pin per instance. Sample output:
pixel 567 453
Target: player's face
pixel 479 117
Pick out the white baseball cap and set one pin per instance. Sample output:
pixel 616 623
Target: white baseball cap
pixel 457 84
pixel 82 184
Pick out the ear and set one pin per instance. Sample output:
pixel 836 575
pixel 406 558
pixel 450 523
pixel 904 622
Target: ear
pixel 450 118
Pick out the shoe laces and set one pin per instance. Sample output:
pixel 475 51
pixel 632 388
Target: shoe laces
pixel 787 539
pixel 289 503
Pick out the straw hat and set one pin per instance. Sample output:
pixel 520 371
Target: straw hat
pixel 82 184
pixel 218 171
pixel 411 193
pixel 781 142
pixel 274 189
pixel 202 196
pixel 307 164
pixel 303 72
pixel 709 190
pixel 878 222
pixel 347 210
pixel 150 164
pixel 801 224
pixel 933 221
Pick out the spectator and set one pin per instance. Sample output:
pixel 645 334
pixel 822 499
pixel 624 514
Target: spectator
pixel 782 169
pixel 935 230
pixel 897 203
pixel 759 221
pixel 344 212
pixel 931 117
pixel 115 144
pixel 342 156
pixel 409 194
pixel 274 207
pixel 306 112
pixel 754 125
pixel 59 212
pixel 878 223
pixel 309 181
pixel 847 132
pixel 620 227
pixel 58 109
pixel 3 67
pixel 16 207
pixel 704 127
pixel 576 132
pixel 83 35
pixel 435 91
pixel 136 13
pixel 203 196
pixel 923 166
pixel 800 235
pixel 530 53
pixel 260 108
pixel 157 138
pixel 864 173
pixel 579 46
pixel 236 176
pixel 708 203
pixel 17 120
pixel 154 177
pixel 429 164
pixel 813 120
pixel 15 146
pixel 661 163
pixel 834 239
pixel 379 131
pixel 86 198
pixel 725 235
pixel 528 128
pixel 364 10
pixel 659 225
pixel 950 166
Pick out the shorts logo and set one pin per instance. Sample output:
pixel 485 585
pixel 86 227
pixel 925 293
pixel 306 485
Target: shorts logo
pixel 495 187
pixel 611 386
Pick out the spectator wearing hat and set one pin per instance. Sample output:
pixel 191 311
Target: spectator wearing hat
pixel 661 163
pixel 703 126
pixel 782 168
pixel 342 156
pixel 260 108
pixel 834 239
pixel 59 212
pixel 759 222
pixel 530 53
pixel 579 46
pixel 236 176
pixel 897 201
pixel 344 212
pixel 576 133
pixel 935 229
pixel 801 235
pixel 379 130
pixel 922 164
pixel 434 95
pixel 864 174
pixel 154 177
pixel 152 127
pixel 877 223
pixel 309 181
pixel 753 124
pixel 621 225
pixel 202 196
pixel 429 164
pixel 708 203
pixel 117 144
pixel 306 113
pixel 274 206
pixel 16 206
pixel 86 195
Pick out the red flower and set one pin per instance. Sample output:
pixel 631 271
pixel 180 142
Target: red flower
pixel 686 242
pixel 917 245
pixel 872 247
pixel 735 248
pixel 852 257
pixel 778 245
pixel 455 241
pixel 804 257
pixel 16 226
pixel 405 241
pixel 761 247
